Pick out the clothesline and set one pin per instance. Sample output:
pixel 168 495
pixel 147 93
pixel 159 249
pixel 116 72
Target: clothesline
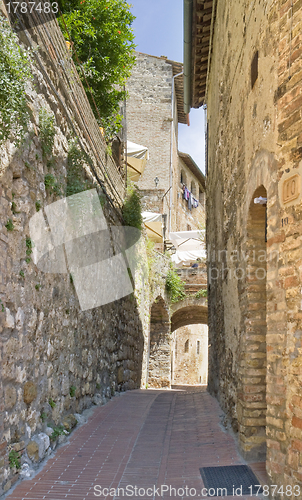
pixel 188 196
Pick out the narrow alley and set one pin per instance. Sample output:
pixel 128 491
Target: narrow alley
pixel 152 440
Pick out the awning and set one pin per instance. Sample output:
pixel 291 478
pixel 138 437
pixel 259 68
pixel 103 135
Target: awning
pixel 137 157
pixel 189 246
pixel 154 226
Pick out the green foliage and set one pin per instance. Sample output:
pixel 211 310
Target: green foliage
pixel 2 306
pixel 201 293
pixel 38 205
pixel 9 225
pixel 103 38
pixel 29 246
pixel 98 386
pixel 47 132
pixel 58 431
pixel 175 286
pixel 76 181
pixel 14 208
pixel 132 209
pixel 43 416
pixel 27 260
pixel 38 286
pixel 49 181
pixel 52 185
pixel 14 459
pixel 52 403
pixel 14 73
pixel 22 274
pixel 72 391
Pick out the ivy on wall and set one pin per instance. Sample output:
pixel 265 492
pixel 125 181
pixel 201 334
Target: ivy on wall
pixel 14 73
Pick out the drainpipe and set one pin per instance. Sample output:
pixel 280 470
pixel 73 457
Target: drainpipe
pixel 188 20
pixel 171 149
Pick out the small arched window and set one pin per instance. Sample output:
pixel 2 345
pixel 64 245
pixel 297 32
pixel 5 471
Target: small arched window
pixel 198 347
pixel 187 346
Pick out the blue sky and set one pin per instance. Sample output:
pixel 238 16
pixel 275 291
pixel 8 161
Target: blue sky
pixel 158 30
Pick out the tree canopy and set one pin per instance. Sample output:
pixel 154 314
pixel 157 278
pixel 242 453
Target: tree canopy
pixel 103 39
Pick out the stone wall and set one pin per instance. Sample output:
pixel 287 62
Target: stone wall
pixel 190 355
pixel 56 359
pixel 255 266
pixel 149 115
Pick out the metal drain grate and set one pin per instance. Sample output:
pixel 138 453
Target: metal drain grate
pixel 232 480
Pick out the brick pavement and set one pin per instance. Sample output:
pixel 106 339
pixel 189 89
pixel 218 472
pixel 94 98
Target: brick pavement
pixel 144 439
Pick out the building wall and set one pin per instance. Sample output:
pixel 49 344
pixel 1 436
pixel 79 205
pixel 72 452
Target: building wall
pixel 185 219
pixel 149 122
pixel 149 115
pixel 254 145
pixel 190 366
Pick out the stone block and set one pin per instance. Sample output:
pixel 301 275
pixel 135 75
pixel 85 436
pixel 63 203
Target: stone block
pixel 10 396
pixel 19 446
pixel 120 375
pixel 33 451
pixel 30 392
pixel 9 319
pixel 43 442
pixel 69 422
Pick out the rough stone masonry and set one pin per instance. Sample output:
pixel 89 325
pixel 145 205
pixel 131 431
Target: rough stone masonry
pixel 55 359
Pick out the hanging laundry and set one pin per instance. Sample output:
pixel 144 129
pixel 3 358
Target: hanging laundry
pixel 186 192
pixel 190 201
pixel 195 203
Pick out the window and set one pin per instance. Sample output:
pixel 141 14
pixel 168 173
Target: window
pixel 187 346
pixel 198 347
pixel 193 188
pixel 183 178
pixel 254 69
pixel 201 197
pixel 188 227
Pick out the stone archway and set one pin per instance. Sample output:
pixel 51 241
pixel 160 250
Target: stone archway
pixel 251 408
pixel 189 319
pixel 159 369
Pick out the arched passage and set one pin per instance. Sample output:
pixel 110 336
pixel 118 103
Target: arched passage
pixel 251 407
pixel 189 315
pixel 189 342
pixel 159 371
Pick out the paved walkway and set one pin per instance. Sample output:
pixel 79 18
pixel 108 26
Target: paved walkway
pixel 147 439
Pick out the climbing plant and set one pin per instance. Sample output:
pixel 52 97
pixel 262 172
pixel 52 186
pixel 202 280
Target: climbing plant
pixel 47 132
pixel 132 209
pixel 102 37
pixel 175 286
pixel 76 180
pixel 14 73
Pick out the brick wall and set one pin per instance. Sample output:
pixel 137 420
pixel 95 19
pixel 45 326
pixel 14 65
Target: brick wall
pixel 254 146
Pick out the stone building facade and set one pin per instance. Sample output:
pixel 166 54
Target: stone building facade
pixel 253 98
pixel 154 109
pixel 188 174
